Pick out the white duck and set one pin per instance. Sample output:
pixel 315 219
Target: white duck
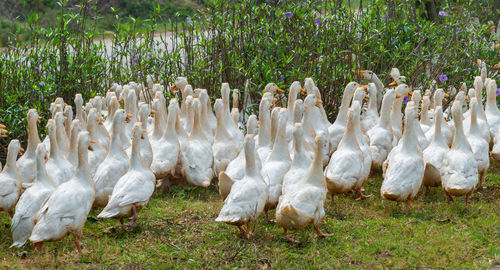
pixel 495 152
pixel 276 165
pixel 68 118
pixel 405 166
pixel 224 148
pixel 166 151
pixel 10 180
pixel 79 111
pixel 434 153
pixel 303 203
pixel 479 145
pixel 345 168
pixel 371 118
pixel 145 145
pixel 31 201
pixel 67 208
pixel 26 163
pixel 158 129
pixel 484 128
pixel 248 196
pixel 99 152
pixel 59 167
pixel 134 189
pixel 196 153
pixel 62 139
pixel 115 165
pixel 364 145
pixel 113 106
pixel 264 138
pixel 301 160
pixel 381 135
pixel 337 129
pixel 235 170
pixel 459 174
pixel 231 127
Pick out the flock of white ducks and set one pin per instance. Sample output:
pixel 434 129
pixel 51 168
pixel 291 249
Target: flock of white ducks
pixel 289 159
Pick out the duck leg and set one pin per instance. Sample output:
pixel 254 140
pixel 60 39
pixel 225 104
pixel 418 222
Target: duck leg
pixel 361 195
pixel 132 222
pixel 407 208
pixel 76 238
pixel 331 196
pixel 321 234
pixel 481 179
pixel 122 223
pixel 467 197
pixel 242 230
pixel 38 246
pixel 289 238
pixel 448 195
pixel 427 190
pixel 249 229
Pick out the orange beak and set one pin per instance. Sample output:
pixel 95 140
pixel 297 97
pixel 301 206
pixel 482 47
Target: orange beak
pixel 39 118
pixel 398 95
pixel 446 95
pixel 393 84
pixel 21 150
pixel 2 126
pixel 92 141
pixel 152 112
pixel 173 88
pixel 280 91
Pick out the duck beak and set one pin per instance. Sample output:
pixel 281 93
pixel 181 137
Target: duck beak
pixel 319 102
pixel 364 86
pixel 280 91
pixel 90 148
pixel 467 99
pixel 2 126
pixel 444 99
pixel 398 95
pixel 361 72
pixel 21 150
pixel 303 91
pixel 101 121
pixel 410 93
pixel 173 88
pixel 393 84
pixel 152 112
pixel 92 141
pixel 127 119
pixel 275 99
pixel 446 95
pixel 39 119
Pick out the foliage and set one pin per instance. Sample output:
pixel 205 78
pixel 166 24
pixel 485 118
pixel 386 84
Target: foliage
pixel 239 41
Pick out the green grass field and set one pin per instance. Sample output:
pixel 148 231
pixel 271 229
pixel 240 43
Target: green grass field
pixel 177 230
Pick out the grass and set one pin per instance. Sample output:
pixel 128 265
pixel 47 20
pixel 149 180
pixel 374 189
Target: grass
pixel 177 230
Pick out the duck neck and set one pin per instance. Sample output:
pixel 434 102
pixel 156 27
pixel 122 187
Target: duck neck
pixel 315 174
pixel 33 139
pixel 491 104
pixel 221 133
pixel 410 142
pixel 377 82
pixel 250 168
pixel 54 147
pixel 396 115
pixel 82 171
pixel 349 140
pixel 344 108
pixel 372 103
pixel 10 163
pixel 264 133
pixel 299 149
pixel 424 116
pixel 41 171
pixel 116 137
pixel 460 140
pixel 474 126
pixel 135 156
pixel 157 132
pixel 170 133
pixel 197 132
pixel 438 134
pixel 280 149
pixel 292 97
pixel 385 112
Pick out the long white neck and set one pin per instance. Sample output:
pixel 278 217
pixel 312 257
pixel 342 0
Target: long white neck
pixel 197 132
pixel 410 141
pixel 344 107
pixel 377 82
pixel 298 145
pixel 136 161
pixel 250 168
pixel 264 133
pixel 33 139
pixel 82 171
pixel 396 115
pixel 372 103
pixel 438 134
pixel 424 114
pixel 170 133
pixel 280 148
pixel 474 126
pixel 491 105
pixel 10 163
pixel 41 171
pixel 116 137
pixel 292 97
pixel 385 112
pixel 315 174
pixel 460 141
pixel 221 133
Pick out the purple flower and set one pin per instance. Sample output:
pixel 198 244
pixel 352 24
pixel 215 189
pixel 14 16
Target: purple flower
pixel 188 20
pixel 318 21
pixel 442 13
pixel 42 84
pixel 384 17
pixel 288 14
pixel 443 78
pixel 38 70
pixel 457 29
pixel 134 62
pixel 498 92
pixel 358 34
pixel 405 100
pixel 280 78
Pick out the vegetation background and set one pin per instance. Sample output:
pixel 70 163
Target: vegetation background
pixel 52 49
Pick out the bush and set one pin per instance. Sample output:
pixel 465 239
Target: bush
pixel 243 40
